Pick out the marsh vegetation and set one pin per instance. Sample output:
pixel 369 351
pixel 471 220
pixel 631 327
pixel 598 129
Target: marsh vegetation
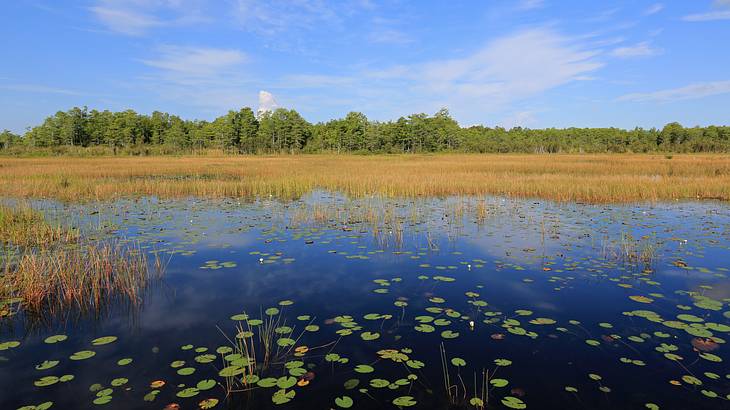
pixel 583 178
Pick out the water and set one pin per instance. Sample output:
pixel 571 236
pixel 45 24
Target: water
pixel 558 265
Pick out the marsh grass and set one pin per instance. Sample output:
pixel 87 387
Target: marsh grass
pixel 639 253
pixel 25 227
pixel 85 276
pixel 48 268
pixel 584 178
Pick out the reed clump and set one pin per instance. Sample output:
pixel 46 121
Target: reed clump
pixel 627 250
pixel 85 276
pixel 46 268
pixel 23 226
pixel 595 178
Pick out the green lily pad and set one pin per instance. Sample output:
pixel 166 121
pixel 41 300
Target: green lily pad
pixel 104 340
pixel 46 364
pixel 46 381
pixel 189 392
pixel 344 402
pixel 206 384
pixel 514 403
pixel 82 355
pixel 498 382
pixel 364 368
pixel 55 339
pixel 404 401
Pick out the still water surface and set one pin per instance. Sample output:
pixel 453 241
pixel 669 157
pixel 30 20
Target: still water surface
pixel 563 306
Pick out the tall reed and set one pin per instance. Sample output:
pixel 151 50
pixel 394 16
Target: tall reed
pixel 85 276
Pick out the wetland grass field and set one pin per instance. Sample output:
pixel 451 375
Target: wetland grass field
pixel 446 281
pixel 559 177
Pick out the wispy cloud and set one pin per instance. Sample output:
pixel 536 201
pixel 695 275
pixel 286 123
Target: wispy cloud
pixel 721 12
pixel 710 16
pixel 203 76
pixel 642 49
pixel 653 9
pixel 518 119
pixel 385 31
pixel 41 89
pixel 137 17
pixel 530 4
pixel 689 92
pixel 510 68
pixel 277 16
pixel 195 62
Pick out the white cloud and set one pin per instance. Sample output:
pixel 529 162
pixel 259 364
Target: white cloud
pixel 267 102
pixel 137 17
pixel 720 13
pixel 514 67
pixel 202 76
pixel 195 62
pixel 654 8
pixel 124 21
pixel 711 16
pixel 692 91
pixel 523 119
pixel 642 49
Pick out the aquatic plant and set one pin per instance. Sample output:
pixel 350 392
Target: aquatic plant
pixel 84 276
pixel 22 226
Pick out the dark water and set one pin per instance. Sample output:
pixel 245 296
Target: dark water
pixel 563 268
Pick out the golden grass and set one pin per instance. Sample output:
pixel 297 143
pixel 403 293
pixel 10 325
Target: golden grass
pixel 49 268
pixel 85 277
pixel 26 227
pixel 586 178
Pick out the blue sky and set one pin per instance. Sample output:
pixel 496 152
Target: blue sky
pixel 533 63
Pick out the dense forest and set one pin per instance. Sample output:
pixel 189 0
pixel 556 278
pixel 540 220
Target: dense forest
pixel 285 131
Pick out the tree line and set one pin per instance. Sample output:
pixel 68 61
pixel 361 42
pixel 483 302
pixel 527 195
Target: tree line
pixel 286 131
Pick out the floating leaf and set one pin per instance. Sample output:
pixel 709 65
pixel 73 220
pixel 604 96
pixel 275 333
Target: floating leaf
pixel 104 340
pixel 206 384
pixel 82 355
pixel 282 396
pixel 55 339
pixel 404 401
pixel 498 382
pixel 286 382
pixel 514 403
pixel 448 334
pixel 189 392
pixel 208 403
pixel 46 381
pixel 379 383
pixel 344 402
pixel 46 364
pixel 364 368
